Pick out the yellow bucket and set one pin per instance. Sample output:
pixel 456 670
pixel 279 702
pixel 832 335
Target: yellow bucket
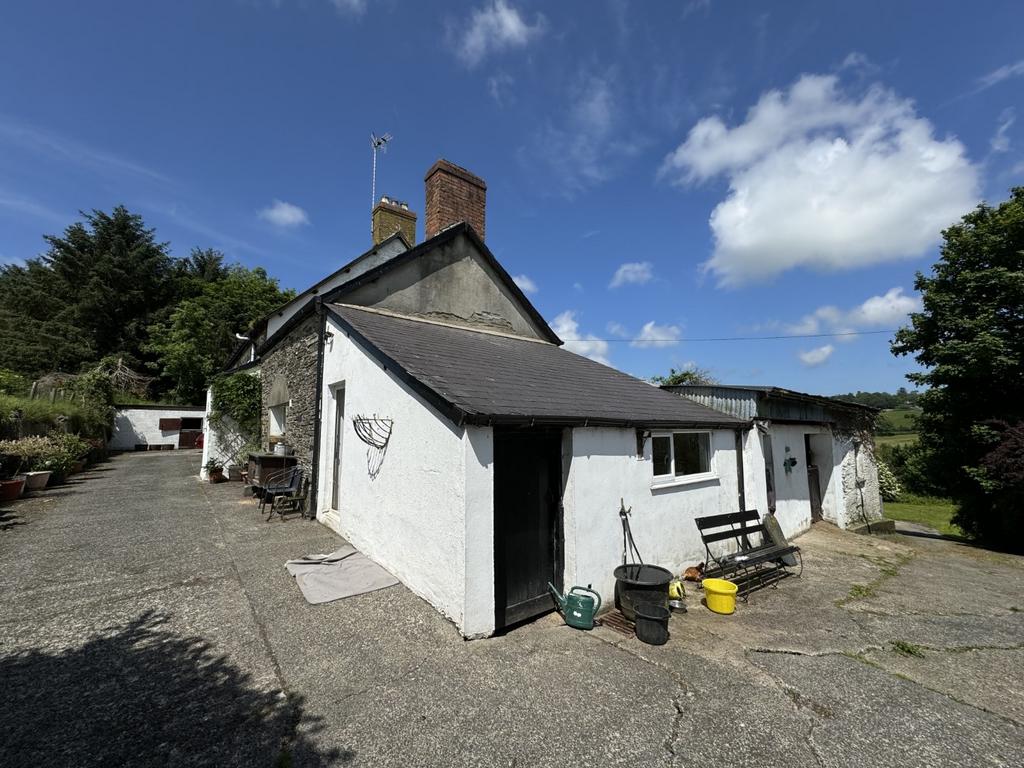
pixel 720 595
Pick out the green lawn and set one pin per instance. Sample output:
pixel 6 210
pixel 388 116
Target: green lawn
pixel 926 511
pixel 905 438
pixel 902 420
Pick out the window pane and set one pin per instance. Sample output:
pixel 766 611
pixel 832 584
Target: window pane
pixel 692 452
pixel 661 451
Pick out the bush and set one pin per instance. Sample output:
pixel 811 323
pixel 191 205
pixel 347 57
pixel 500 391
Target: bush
pixel 888 485
pixel 12 383
pixel 908 464
pixel 42 416
pixel 54 453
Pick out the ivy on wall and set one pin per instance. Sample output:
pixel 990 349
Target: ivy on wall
pixel 235 412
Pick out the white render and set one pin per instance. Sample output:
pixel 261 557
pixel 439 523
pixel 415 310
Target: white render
pixel 220 445
pixel 140 425
pixel 605 467
pixel 428 515
pixel 412 518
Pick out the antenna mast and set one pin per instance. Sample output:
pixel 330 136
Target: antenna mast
pixel 376 143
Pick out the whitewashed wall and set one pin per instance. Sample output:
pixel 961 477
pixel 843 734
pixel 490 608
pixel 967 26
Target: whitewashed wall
pixel 138 425
pixel 860 493
pixel 221 444
pixel 792 493
pixel 411 518
pixel 604 468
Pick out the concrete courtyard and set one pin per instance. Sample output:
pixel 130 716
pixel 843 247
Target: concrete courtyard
pixel 147 620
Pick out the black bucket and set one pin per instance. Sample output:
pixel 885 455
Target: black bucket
pixel 638 583
pixel 652 623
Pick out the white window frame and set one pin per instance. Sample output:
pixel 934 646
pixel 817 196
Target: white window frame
pixel 277 420
pixel 671 479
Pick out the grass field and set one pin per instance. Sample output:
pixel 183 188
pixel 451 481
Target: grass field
pixel 935 513
pixel 903 439
pixel 898 421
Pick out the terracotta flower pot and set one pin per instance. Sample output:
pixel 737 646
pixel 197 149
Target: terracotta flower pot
pixel 77 466
pixel 11 489
pixel 216 475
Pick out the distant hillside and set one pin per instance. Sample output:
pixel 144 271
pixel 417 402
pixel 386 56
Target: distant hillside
pixel 901 399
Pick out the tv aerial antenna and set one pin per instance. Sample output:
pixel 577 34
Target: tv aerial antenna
pixel 377 143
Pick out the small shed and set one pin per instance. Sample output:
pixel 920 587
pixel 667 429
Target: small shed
pixel 156 427
pixel 818 452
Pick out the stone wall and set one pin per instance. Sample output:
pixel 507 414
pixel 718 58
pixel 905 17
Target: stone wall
pixel 288 372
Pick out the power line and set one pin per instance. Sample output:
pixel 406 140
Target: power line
pixel 744 338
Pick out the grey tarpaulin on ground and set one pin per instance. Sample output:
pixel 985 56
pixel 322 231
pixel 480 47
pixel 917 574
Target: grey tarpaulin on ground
pixel 343 573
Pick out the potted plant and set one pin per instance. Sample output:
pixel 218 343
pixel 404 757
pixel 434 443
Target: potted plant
pixel 11 483
pixel 39 459
pixel 12 488
pixel 214 470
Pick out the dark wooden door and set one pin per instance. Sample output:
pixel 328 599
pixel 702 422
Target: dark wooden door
pixel 527 522
pixel 813 483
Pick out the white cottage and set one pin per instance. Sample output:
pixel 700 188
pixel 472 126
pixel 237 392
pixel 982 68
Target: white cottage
pixel 500 461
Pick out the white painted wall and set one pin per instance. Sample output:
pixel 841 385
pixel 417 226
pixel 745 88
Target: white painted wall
pixel 220 444
pixel 860 493
pixel 792 494
pixel 604 468
pixel 412 518
pixel 137 425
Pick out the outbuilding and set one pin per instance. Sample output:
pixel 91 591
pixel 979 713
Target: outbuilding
pixel 156 427
pixel 817 452
pixel 479 465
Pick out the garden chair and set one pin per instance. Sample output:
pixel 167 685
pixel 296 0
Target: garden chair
pixel 285 482
pixel 288 503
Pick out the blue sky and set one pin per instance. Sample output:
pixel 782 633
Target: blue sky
pixel 659 173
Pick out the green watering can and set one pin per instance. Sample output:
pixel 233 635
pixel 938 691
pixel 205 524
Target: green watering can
pixel 579 606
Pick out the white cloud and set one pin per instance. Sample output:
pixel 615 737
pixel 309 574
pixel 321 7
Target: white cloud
pixel 1000 142
pixel 635 273
pixel 500 88
pixel 350 6
pixel 816 356
pixel 584 147
pixel 588 345
pixel 617 329
pixel 66 149
pixel 885 311
pixel 997 76
pixel 495 27
pixel 653 335
pixel 526 285
pixel 819 178
pixel 285 215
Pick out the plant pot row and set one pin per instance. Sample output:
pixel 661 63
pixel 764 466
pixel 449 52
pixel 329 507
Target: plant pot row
pixel 19 484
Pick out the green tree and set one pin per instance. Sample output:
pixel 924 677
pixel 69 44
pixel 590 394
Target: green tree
pixel 194 342
pixel 694 375
pixel 93 293
pixel 969 338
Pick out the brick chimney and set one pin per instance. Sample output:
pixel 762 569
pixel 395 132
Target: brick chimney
pixel 390 216
pixel 453 195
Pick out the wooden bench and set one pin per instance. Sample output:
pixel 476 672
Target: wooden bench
pixel 756 560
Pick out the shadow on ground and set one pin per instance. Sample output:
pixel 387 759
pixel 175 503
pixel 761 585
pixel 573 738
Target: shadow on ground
pixel 8 519
pixel 141 695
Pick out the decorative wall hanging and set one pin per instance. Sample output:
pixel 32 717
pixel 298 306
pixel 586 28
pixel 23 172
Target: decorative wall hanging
pixel 376 433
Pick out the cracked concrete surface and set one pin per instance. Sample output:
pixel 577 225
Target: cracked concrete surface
pixel 147 620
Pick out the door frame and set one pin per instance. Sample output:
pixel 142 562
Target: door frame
pixel 337 443
pixel 557 474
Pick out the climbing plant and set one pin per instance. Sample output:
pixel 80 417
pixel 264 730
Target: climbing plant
pixel 235 414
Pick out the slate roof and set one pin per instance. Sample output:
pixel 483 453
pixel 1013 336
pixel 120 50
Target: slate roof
pixel 490 378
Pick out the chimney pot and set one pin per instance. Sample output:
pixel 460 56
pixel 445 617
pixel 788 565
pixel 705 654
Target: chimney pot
pixel 390 216
pixel 453 195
